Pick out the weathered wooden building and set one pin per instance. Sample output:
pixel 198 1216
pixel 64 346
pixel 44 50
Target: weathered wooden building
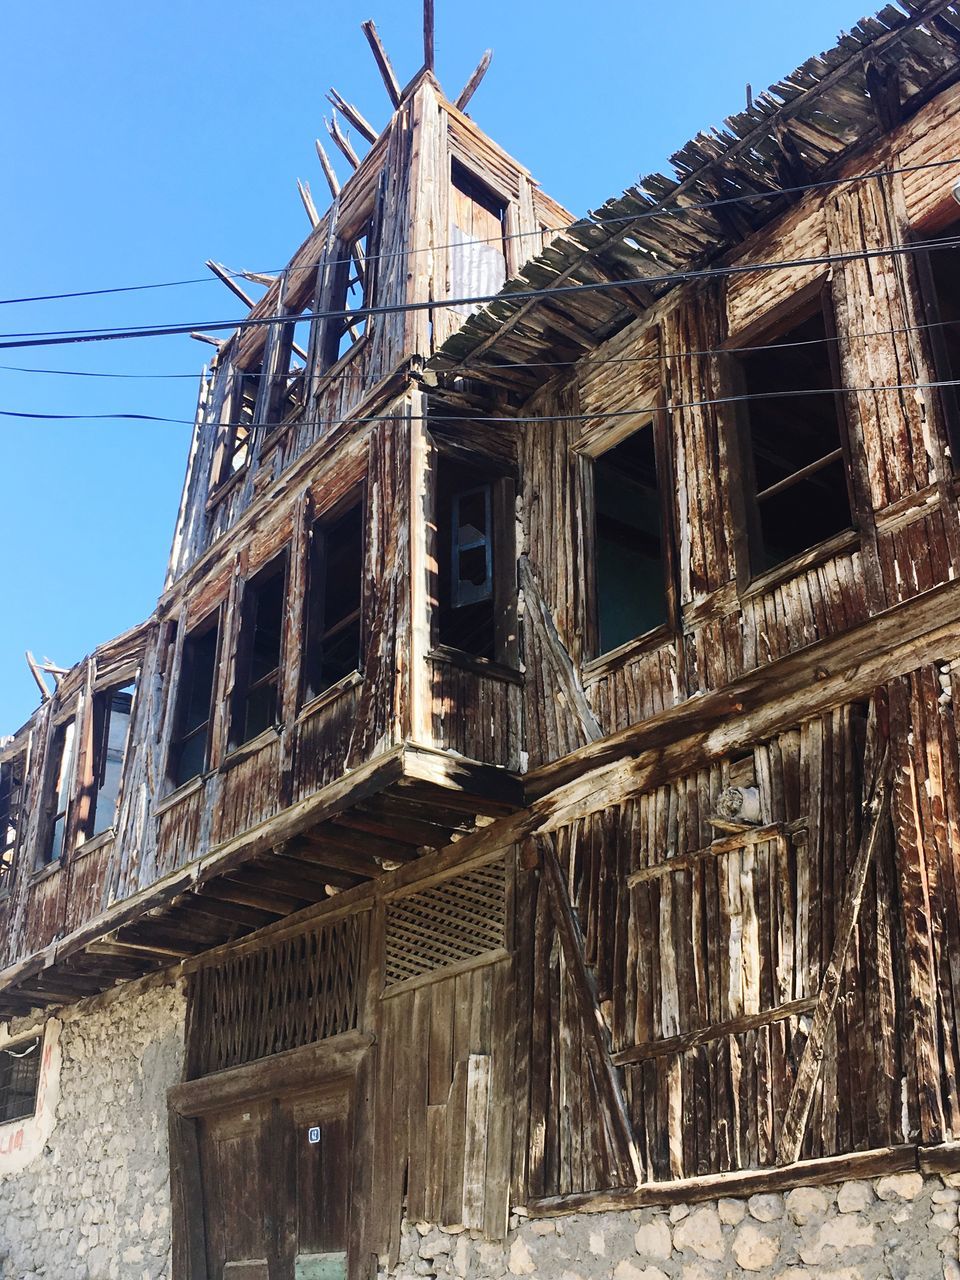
pixel 541 769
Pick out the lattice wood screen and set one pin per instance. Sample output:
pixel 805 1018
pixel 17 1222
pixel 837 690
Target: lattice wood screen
pixel 300 990
pixel 455 921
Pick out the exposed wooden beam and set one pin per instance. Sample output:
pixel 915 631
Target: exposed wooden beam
pixel 227 278
pixel 307 198
pixel 385 67
pixel 333 182
pixel 473 84
pixel 208 337
pixel 353 115
pixel 333 128
pixel 34 666
pixel 429 35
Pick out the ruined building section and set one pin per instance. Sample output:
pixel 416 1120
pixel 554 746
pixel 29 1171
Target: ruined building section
pixel 541 775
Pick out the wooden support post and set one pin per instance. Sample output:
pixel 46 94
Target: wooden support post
pixel 802 1097
pixel 473 84
pixel 429 50
pixel 390 81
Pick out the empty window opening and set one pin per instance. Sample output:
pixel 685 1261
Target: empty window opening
pixel 798 477
pixel 351 294
pixel 478 265
pixel 334 601
pixel 11 807
pixel 290 378
pixel 19 1078
pixel 111 723
pixel 190 744
pixel 939 269
pixel 630 565
pixel 57 791
pixel 467 558
pixel 233 440
pixel 257 685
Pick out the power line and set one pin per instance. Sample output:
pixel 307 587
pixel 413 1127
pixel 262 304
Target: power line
pixel 586 222
pixel 598 415
pixel 68 337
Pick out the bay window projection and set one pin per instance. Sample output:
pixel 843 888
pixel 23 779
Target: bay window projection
pixel 630 565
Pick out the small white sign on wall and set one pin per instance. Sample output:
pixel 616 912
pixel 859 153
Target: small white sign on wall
pixel 21 1141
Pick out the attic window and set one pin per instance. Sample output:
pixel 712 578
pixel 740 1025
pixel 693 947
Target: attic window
pixel 11 803
pixel 111 722
pixel 256 695
pixel 478 265
pixel 232 451
pixel 939 270
pixel 19 1078
pixel 351 293
pixel 190 744
pixel 629 558
pixel 476 575
pixel 797 494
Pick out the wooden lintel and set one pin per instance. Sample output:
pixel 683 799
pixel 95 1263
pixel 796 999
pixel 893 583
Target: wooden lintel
pixel 473 84
pixel 333 128
pixel 387 74
pixel 353 115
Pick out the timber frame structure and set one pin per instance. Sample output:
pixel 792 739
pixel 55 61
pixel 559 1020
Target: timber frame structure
pixel 542 919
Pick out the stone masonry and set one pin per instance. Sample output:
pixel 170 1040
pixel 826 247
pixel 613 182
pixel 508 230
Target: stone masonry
pixel 95 1205
pixel 902 1227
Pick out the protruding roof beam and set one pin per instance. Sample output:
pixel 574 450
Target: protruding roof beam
pixel 333 182
pixel 307 198
pixel 222 274
pixel 333 128
pixel 429 50
pixel 208 337
pixel 350 113
pixel 258 277
pixel 387 73
pixel 473 84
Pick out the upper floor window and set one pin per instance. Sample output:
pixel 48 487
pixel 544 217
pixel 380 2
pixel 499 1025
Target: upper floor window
pixel 478 264
pixel 19 1078
pixel 475 561
pixel 333 636
pixel 11 806
pixel 350 293
pixel 57 791
pixel 256 690
pixel 796 482
pixel 290 365
pixel 630 563
pixel 939 271
pixel 111 723
pixel 190 740
pixel 232 449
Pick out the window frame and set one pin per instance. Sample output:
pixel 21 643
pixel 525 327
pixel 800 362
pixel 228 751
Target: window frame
pixel 459 166
pixel 223 474
pixel 243 686
pixel 789 314
pixel 314 597
pixel 10 852
pixel 592 445
pixel 211 621
pixel 948 398
pixel 10 1047
pixel 342 265
pixel 101 716
pixel 59 785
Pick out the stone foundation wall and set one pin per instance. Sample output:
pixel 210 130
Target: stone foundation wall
pixel 95 1205
pixel 903 1227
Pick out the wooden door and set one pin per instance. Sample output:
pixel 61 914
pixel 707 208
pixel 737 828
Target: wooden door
pixel 276 1176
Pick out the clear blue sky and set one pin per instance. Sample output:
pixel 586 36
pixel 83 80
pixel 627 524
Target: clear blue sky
pixel 140 139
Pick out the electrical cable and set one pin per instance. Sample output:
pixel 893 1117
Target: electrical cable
pixel 68 337
pixel 584 222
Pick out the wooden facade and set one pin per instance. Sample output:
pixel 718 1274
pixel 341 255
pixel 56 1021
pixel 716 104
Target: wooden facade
pixel 538 918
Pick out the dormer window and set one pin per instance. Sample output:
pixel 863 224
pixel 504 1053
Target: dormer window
pixel 478 264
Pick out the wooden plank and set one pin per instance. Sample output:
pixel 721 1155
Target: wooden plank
pixel 690 1040
pixel 476 1132
pixel 387 74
